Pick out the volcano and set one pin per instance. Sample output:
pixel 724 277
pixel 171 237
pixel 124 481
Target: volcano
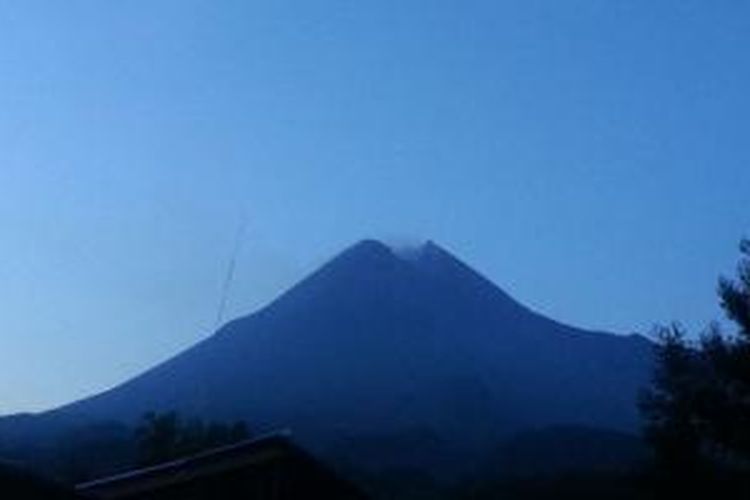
pixel 415 346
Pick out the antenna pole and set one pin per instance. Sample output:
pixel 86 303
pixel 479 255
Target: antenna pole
pixel 226 287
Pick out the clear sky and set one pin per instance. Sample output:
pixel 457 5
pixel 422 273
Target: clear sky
pixel 590 157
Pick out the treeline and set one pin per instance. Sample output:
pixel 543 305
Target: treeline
pixel 85 452
pixel 162 437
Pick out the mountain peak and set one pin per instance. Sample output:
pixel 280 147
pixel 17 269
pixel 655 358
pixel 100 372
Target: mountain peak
pixel 430 255
pixel 416 252
pixel 432 251
pixel 427 256
pixel 367 249
pixel 370 245
pixel 366 252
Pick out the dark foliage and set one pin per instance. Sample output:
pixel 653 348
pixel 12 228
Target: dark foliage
pixel 697 410
pixel 19 484
pixel 77 453
pixel 579 486
pixel 90 451
pixel 560 462
pixel 165 436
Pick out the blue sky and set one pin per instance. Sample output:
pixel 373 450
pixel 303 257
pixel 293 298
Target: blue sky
pixel 590 157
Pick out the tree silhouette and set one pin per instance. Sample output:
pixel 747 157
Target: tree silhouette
pixel 165 436
pixel 697 409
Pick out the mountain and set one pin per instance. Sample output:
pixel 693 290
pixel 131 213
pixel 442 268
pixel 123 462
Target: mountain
pixel 377 344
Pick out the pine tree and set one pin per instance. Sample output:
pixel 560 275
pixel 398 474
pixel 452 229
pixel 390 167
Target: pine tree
pixel 697 409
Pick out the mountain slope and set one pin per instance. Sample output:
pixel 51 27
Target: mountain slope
pixel 376 343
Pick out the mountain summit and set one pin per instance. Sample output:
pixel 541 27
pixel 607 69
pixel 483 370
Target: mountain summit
pixel 378 342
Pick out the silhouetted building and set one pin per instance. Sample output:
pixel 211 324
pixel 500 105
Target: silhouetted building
pixel 268 468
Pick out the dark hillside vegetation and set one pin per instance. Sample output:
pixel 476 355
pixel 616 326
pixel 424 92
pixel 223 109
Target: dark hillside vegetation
pixel 89 451
pixel 19 484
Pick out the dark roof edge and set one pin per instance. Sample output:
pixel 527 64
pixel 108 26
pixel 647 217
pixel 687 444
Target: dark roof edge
pixel 281 436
